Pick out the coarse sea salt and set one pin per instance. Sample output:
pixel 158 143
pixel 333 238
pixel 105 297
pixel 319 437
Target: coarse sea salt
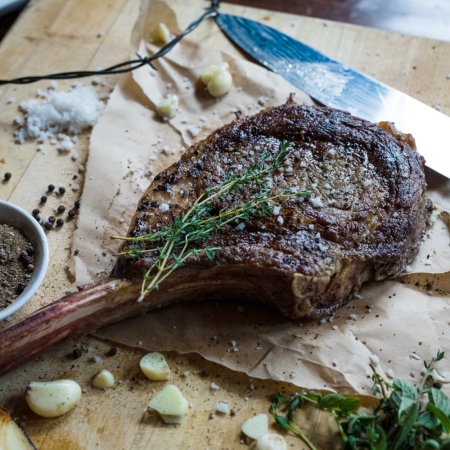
pixel 70 112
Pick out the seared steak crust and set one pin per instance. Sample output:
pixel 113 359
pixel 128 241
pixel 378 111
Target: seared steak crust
pixel 364 220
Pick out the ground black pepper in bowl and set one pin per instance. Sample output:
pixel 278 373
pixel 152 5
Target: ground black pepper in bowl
pixel 16 264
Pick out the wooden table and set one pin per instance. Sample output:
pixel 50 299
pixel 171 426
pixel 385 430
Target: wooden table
pixel 55 35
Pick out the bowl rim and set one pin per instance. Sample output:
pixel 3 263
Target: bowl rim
pixel 39 274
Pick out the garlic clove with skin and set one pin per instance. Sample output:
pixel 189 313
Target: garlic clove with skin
pixel 53 398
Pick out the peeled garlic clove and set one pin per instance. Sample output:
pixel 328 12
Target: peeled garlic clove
pixel 11 435
pixel 168 107
pixel 256 427
pixel 270 441
pixel 155 367
pixel 104 379
pixel 53 398
pixel 211 71
pixel 220 84
pixel 169 402
pixel 161 34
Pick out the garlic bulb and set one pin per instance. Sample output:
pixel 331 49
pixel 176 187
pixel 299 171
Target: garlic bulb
pixel 53 398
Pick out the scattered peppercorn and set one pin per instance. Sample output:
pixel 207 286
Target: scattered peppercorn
pixel 43 199
pixel 62 190
pixel 71 213
pixel 38 218
pixel 48 225
pixel 35 212
pixel 61 208
pixel 232 412
pixel 113 351
pixel 77 204
pixel 205 373
pixel 30 250
pixel 51 187
pixel 437 385
pixel 76 252
pixel 52 219
pixel 30 267
pixel 7 176
pixel 77 353
pixel 60 222
pixel 23 255
pixel 20 288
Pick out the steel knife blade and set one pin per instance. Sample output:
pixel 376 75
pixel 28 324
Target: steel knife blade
pixel 337 85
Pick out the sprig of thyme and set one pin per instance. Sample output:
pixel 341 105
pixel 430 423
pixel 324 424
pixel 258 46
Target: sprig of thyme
pixel 399 421
pixel 196 225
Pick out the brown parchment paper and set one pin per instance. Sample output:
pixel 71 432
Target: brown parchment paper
pixel 391 320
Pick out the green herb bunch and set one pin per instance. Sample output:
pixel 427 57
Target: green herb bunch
pixel 405 418
pixel 199 222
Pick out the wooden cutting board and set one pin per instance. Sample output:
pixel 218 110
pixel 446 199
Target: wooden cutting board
pixel 61 35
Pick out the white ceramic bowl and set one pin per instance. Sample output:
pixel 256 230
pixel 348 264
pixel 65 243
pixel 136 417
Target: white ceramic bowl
pixel 20 219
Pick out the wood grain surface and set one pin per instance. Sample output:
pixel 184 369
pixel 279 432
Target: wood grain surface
pixel 55 35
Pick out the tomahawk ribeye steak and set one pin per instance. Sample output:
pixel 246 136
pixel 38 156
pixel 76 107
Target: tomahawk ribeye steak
pixel 364 221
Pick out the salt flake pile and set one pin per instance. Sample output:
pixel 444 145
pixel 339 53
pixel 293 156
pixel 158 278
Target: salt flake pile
pixel 60 112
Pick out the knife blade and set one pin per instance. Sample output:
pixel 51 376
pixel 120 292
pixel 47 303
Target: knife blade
pixel 337 85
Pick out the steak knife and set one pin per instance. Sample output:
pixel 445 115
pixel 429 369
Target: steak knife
pixel 337 85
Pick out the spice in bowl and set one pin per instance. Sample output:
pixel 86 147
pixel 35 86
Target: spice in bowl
pixel 16 264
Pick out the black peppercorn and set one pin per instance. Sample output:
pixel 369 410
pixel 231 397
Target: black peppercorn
pixel 30 267
pixel 62 190
pixel 61 208
pixel 60 222
pixel 35 212
pixel 77 204
pixel 71 213
pixel 48 225
pixel 43 199
pixel 23 255
pixel 437 385
pixel 38 218
pixel 77 353
pixel 232 412
pixel 27 260
pixel 52 219
pixel 7 176
pixel 20 288
pixel 113 351
pixel 51 187
pixel 30 250
pixel 205 373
